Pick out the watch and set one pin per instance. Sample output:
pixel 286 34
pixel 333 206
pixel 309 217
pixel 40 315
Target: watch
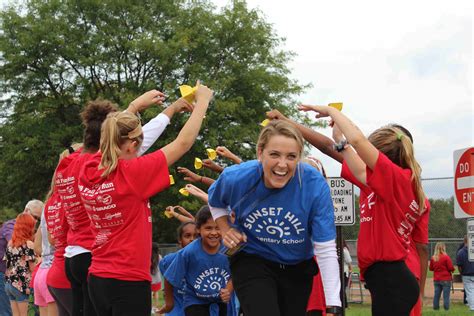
pixel 343 144
pixel 337 310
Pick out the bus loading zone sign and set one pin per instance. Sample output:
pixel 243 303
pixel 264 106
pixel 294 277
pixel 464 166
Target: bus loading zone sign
pixel 342 193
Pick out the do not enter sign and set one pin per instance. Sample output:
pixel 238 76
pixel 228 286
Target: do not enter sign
pixel 464 183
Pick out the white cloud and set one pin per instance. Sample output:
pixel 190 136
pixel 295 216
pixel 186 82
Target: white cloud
pixel 408 62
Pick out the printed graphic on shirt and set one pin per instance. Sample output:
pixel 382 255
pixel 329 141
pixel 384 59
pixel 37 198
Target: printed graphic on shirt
pixel 404 227
pixel 102 210
pixel 209 282
pixel 275 225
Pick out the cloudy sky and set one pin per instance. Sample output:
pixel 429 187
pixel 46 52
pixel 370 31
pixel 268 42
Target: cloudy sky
pixel 408 62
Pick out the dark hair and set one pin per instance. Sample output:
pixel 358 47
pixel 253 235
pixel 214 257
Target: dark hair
pixel 181 228
pixel 202 216
pixel 155 257
pixel 93 115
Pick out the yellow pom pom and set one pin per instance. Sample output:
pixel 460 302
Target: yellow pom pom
pixel 171 180
pixel 265 122
pixel 337 105
pixel 197 163
pixel 187 92
pixel 184 192
pixel 168 214
pixel 211 153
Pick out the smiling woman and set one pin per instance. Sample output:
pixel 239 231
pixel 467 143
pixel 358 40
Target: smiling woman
pixel 282 210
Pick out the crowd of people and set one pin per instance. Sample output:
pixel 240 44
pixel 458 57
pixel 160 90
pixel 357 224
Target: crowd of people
pixel 263 243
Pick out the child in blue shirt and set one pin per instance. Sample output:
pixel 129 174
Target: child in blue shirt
pixel 174 296
pixel 205 270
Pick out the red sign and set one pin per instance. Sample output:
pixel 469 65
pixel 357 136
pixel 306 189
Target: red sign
pixel 464 182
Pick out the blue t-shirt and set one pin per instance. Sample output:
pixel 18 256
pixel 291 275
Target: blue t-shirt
pixel 204 274
pixel 280 224
pixel 178 292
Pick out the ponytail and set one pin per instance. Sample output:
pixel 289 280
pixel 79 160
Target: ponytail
pixel 116 130
pixel 398 147
pixel 407 155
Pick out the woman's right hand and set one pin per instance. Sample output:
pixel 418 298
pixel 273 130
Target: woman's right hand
pixel 232 238
pixel 203 93
pixel 275 115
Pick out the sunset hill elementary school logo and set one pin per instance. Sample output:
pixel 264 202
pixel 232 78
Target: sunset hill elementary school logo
pixel 273 223
pixel 211 281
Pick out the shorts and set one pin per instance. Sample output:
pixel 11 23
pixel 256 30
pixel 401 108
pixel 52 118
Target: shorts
pixel 156 287
pixel 42 295
pixel 15 295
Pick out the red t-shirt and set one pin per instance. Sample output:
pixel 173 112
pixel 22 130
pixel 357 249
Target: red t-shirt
pixel 388 212
pixel 442 268
pixel 120 214
pixel 58 228
pixel 67 173
pixel 419 235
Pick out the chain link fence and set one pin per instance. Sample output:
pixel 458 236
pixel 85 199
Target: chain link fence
pixel 443 226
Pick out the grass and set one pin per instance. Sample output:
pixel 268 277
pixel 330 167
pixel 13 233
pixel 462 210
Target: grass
pixel 456 309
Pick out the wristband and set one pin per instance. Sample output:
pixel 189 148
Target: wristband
pixel 343 144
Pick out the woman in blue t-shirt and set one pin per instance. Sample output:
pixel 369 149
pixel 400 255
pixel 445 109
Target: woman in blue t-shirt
pixel 283 211
pixel 205 270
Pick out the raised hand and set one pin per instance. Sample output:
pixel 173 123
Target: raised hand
pixel 145 100
pixel 189 175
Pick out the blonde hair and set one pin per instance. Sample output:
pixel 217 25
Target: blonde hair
pixel 116 130
pixel 397 146
pixel 74 147
pixel 440 249
pixel 279 127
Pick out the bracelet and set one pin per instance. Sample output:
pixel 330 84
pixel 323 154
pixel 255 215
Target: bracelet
pixel 343 144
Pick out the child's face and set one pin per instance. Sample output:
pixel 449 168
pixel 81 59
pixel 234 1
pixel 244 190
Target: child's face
pixel 189 234
pixel 210 234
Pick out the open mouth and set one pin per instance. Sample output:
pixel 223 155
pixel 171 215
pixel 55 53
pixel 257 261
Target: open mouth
pixel 280 174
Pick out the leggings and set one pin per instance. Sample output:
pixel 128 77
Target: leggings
pixel 112 297
pixel 265 287
pixel 63 298
pixel 77 268
pixel 394 289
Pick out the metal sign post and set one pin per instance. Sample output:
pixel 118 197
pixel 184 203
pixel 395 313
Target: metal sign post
pixel 342 193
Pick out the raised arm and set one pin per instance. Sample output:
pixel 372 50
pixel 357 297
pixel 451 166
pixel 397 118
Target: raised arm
pixel 318 140
pixel 226 153
pixel 366 151
pixel 186 137
pixel 156 126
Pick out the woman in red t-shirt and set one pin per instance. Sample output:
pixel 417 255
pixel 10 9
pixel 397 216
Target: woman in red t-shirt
pixel 115 187
pixel 391 203
pixel 443 268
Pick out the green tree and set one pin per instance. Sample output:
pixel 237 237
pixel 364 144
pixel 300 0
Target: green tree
pixel 56 55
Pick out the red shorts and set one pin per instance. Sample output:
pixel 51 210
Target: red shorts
pixel 156 287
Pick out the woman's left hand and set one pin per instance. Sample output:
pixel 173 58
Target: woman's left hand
pixel 323 111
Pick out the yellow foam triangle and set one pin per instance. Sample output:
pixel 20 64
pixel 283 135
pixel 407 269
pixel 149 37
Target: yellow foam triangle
pixel 187 92
pixel 211 153
pixel 168 214
pixel 265 122
pixel 184 192
pixel 171 180
pixel 197 163
pixel 337 105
